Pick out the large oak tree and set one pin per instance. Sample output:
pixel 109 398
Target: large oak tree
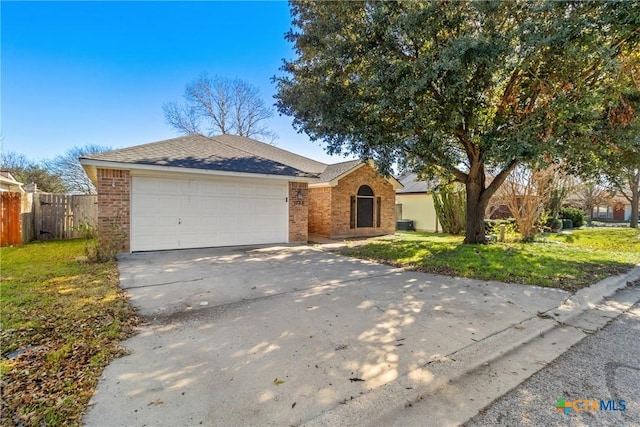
pixel 468 90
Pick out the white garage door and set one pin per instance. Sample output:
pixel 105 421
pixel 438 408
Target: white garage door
pixel 168 213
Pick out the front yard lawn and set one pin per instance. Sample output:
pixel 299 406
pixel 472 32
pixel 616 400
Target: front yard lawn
pixel 565 261
pixel 70 315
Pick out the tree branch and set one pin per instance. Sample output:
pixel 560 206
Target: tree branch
pixel 469 147
pixel 499 179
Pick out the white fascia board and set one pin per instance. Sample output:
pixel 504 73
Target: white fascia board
pixel 397 185
pixel 323 184
pixel 90 163
pixel 91 171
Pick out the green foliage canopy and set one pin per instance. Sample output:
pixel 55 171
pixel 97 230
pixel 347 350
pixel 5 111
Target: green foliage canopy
pixel 459 89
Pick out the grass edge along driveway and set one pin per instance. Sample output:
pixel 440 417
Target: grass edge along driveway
pixel 568 261
pixel 71 315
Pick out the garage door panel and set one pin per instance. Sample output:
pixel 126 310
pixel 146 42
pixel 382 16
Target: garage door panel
pixel 170 213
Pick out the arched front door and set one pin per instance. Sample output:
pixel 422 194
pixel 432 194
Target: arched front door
pixel 364 207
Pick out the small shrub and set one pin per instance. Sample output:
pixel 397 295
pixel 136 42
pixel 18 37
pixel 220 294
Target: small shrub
pixel 88 230
pixel 492 227
pixel 553 224
pixel 103 243
pixel 108 243
pixel 450 206
pixel 577 216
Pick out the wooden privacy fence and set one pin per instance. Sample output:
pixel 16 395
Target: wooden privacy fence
pixel 43 216
pixel 60 216
pixel 10 228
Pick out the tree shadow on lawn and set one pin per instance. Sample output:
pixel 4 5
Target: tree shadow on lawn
pixel 530 264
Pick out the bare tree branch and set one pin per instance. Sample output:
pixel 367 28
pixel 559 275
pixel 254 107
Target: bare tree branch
pixel 67 166
pixel 220 106
pixel 182 118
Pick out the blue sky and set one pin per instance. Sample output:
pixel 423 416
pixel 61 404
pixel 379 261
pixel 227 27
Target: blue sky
pixel 78 73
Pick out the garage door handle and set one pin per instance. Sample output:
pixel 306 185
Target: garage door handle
pixel 179 221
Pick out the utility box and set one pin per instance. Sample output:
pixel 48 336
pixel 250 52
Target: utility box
pixel 404 225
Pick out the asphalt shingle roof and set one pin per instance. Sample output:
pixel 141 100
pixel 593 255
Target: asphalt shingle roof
pixel 224 154
pixel 272 152
pixel 229 153
pixel 335 170
pixel 413 185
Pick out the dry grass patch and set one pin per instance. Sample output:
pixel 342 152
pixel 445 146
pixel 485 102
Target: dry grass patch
pixel 67 317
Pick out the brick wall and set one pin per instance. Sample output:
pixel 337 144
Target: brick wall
pixel 114 190
pixel 320 211
pixel 618 212
pixel 341 203
pixel 298 212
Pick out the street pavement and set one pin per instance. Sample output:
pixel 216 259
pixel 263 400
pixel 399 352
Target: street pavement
pixel 605 366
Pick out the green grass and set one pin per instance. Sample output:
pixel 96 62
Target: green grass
pixel 565 261
pixel 74 314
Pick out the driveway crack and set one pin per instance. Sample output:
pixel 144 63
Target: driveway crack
pixel 164 283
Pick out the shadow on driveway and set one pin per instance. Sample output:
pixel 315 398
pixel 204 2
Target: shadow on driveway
pixel 279 335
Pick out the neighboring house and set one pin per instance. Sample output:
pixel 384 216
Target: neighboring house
pixel 414 201
pixel 227 190
pixel 9 183
pixel 616 209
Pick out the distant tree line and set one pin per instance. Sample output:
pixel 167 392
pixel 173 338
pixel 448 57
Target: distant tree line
pixel 60 174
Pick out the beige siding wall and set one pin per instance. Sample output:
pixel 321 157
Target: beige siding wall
pixel 420 209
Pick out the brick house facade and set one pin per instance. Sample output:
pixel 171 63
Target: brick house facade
pixel 333 209
pixel 339 200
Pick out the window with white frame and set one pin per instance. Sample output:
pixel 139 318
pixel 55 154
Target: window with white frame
pixel 603 212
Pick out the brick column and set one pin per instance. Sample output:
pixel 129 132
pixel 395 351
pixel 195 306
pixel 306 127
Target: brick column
pixel 114 205
pixel 298 212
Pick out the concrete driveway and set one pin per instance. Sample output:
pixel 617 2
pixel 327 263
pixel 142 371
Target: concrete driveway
pixel 286 335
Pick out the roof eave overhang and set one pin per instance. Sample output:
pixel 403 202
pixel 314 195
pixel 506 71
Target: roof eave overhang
pixel 91 167
pixel 334 182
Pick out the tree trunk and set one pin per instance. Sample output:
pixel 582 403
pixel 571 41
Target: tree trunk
pixel 477 202
pixel 635 189
pixel 633 221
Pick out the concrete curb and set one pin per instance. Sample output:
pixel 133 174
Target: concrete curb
pixel 589 298
pixel 581 313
